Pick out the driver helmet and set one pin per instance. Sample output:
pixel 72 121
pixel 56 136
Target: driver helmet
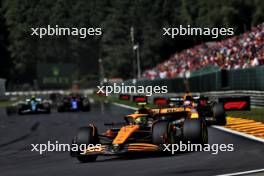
pixel 187 103
pixel 172 105
pixel 140 120
pixel 33 97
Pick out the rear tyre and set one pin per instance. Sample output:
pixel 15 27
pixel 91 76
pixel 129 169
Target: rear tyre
pixel 86 108
pixel 10 110
pixel 160 133
pixel 47 107
pixel 219 114
pixel 87 135
pixel 60 107
pixel 48 111
pixel 20 109
pixel 20 112
pixel 86 105
pixel 195 131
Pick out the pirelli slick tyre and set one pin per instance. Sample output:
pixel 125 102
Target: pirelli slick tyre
pixel 47 107
pixel 195 131
pixel 60 107
pixel 87 135
pixel 86 105
pixel 86 108
pixel 160 133
pixel 219 114
pixel 20 109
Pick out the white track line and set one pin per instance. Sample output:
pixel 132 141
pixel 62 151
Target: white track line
pixel 125 106
pixel 248 136
pixel 226 130
pixel 243 173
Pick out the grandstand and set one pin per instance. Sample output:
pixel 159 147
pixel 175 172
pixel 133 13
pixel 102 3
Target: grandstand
pixel 242 51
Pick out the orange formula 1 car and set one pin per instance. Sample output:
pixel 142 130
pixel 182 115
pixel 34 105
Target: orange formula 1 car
pixel 141 133
pixel 212 112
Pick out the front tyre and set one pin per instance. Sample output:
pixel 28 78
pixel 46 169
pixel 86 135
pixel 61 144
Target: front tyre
pixel 160 133
pixel 219 114
pixel 87 135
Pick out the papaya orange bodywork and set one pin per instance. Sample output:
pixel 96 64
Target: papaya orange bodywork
pixel 125 133
pixel 109 133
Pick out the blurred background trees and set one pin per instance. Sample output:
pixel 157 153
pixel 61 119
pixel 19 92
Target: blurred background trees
pixel 20 52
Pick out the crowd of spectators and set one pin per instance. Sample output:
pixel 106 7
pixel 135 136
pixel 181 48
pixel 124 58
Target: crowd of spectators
pixel 242 51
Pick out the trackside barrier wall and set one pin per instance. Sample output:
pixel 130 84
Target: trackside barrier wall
pixel 239 79
pixel 205 83
pixel 246 79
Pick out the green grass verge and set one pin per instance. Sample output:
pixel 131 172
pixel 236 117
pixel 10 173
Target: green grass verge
pixel 5 103
pixel 255 114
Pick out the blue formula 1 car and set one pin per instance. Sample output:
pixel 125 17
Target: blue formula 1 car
pixel 73 103
pixel 34 106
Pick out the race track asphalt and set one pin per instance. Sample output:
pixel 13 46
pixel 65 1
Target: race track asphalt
pixel 17 133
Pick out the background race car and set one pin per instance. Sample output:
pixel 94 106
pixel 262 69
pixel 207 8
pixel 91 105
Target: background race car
pixel 73 103
pixel 34 106
pixel 211 112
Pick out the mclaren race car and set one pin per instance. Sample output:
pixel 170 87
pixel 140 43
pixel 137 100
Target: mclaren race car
pixel 34 106
pixel 140 133
pixel 73 103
